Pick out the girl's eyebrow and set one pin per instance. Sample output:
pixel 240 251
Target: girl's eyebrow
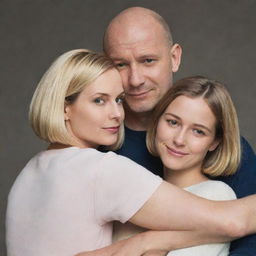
pixel 197 125
pixel 171 114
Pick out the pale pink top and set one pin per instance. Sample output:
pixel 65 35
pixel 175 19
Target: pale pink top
pixel 64 201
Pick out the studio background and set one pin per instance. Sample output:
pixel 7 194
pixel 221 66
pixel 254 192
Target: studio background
pixel 218 39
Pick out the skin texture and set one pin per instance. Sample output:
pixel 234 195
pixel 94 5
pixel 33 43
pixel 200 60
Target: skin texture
pixel 96 115
pixel 145 58
pixel 183 139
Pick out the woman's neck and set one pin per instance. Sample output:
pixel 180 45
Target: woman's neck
pixel 184 178
pixel 57 145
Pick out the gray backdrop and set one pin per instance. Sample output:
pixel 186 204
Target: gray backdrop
pixel 218 39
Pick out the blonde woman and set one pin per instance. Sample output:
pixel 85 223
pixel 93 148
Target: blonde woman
pixel 66 197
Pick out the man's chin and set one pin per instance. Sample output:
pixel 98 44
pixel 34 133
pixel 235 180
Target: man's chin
pixel 139 108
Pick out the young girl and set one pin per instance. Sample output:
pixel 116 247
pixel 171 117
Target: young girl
pixel 195 132
pixel 66 197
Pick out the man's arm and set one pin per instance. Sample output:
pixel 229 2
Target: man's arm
pixel 243 182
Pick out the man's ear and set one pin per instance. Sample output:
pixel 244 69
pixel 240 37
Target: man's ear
pixel 176 52
pixel 214 145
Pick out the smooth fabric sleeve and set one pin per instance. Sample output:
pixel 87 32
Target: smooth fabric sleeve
pixel 121 188
pixel 243 182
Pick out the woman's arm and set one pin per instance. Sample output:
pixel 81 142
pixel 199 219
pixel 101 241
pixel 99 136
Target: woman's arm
pixel 149 243
pixel 202 221
pixel 171 208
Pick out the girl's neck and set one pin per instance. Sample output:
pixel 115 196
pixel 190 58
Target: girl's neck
pixel 184 178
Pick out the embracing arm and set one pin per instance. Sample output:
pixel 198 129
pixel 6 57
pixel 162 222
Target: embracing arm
pixel 199 220
pixel 171 208
pixel 150 243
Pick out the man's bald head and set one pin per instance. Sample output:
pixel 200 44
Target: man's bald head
pixel 134 19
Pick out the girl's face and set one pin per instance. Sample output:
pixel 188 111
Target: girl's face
pixel 185 133
pixel 95 117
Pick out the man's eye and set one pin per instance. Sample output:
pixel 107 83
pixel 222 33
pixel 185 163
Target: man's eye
pixel 148 60
pixel 120 65
pixel 99 101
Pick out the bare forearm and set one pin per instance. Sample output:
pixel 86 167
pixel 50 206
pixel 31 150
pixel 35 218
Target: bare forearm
pixel 183 211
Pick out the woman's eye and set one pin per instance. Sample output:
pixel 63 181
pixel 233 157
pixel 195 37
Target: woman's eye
pixel 99 101
pixel 119 100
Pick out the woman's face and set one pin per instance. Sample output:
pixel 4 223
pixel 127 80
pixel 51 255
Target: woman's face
pixel 96 115
pixel 185 133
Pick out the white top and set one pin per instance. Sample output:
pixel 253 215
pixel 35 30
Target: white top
pixel 214 190
pixel 64 201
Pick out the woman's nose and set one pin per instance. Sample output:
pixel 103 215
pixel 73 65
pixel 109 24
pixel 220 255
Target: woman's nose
pixel 116 111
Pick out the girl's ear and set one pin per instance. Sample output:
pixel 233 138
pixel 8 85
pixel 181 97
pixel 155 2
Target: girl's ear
pixel 214 145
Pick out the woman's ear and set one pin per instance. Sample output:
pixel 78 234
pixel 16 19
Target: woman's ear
pixel 66 112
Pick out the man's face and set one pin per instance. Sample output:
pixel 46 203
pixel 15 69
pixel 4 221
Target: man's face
pixel 145 61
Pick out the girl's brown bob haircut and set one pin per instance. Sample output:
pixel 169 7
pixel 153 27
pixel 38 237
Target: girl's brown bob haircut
pixel 225 159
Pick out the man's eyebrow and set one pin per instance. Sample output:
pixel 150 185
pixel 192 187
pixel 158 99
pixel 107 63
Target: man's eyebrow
pixel 148 56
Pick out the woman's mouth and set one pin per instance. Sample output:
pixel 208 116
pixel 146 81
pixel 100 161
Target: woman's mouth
pixel 113 129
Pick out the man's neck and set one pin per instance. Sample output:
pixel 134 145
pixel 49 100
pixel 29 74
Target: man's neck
pixel 137 121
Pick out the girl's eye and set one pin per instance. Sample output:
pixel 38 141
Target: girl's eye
pixel 198 132
pixel 99 101
pixel 172 122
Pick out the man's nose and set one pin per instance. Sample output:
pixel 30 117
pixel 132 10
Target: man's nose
pixel 136 77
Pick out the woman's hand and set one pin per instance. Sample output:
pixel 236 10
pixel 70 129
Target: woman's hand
pixel 155 253
pixel 132 246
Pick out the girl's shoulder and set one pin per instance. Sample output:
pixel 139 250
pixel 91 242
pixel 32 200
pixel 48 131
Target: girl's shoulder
pixel 213 189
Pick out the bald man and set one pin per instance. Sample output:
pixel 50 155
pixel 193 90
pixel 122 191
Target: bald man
pixel 140 43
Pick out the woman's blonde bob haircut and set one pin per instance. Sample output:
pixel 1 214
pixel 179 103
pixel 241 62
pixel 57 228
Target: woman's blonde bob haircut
pixel 225 159
pixel 60 85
